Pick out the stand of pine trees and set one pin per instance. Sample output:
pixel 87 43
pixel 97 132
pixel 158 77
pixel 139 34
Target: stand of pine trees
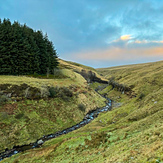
pixel 24 51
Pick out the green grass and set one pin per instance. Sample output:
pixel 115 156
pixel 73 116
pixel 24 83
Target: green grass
pixel 77 67
pixel 33 119
pixel 25 121
pixel 133 130
pixel 72 78
pixel 143 77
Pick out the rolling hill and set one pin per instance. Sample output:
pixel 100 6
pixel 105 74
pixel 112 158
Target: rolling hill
pixel 131 132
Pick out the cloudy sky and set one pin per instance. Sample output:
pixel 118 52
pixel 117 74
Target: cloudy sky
pixel 98 33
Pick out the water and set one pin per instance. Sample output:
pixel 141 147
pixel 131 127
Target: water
pixel 87 119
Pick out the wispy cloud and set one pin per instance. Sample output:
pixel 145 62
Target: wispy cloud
pixel 123 38
pixel 95 29
pixel 126 37
pixel 147 42
pixel 117 54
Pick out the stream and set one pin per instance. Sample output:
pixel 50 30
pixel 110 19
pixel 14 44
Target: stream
pixel 87 119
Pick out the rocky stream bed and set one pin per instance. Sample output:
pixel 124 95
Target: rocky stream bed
pixel 87 119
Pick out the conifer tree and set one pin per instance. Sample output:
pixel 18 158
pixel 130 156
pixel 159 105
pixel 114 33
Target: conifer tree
pixel 25 51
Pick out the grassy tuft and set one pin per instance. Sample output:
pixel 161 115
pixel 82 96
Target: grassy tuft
pixel 131 132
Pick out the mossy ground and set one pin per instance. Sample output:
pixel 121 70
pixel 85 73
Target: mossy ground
pixel 24 121
pixel 72 77
pixel 131 133
pixel 78 67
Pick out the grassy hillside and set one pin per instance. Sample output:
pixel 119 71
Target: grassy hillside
pixel 131 132
pixel 24 120
pixel 73 65
pixel 139 76
pixel 78 67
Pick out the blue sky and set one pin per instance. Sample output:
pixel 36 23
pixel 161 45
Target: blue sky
pixel 98 33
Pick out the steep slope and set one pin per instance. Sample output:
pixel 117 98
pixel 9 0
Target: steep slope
pixel 32 107
pixel 89 73
pixel 131 132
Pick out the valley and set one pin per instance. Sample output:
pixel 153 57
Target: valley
pixel 130 132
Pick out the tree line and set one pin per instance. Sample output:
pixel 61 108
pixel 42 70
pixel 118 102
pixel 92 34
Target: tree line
pixel 24 51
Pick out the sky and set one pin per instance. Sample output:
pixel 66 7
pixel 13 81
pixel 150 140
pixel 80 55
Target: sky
pixel 97 33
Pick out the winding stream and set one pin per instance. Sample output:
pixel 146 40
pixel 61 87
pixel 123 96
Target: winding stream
pixel 87 119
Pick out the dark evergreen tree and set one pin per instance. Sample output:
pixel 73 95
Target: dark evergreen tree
pixel 5 40
pixel 51 54
pixel 43 56
pixel 24 51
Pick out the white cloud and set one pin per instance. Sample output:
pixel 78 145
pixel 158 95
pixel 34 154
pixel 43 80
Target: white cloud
pixel 126 37
pixel 146 41
pixel 123 38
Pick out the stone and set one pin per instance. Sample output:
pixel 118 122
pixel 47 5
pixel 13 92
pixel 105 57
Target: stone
pixel 40 142
pixel 9 95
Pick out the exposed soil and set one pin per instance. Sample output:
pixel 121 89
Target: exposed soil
pixel 9 108
pixel 23 91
